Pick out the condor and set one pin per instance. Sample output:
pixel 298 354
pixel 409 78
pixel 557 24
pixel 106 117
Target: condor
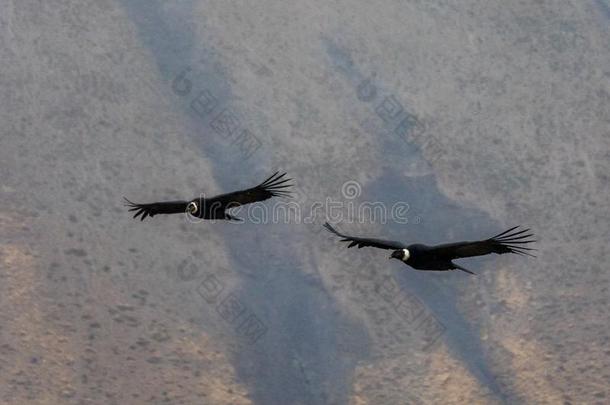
pixel 216 207
pixel 440 257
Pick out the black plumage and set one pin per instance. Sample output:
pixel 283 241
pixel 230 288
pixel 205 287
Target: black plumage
pixel 216 207
pixel 440 257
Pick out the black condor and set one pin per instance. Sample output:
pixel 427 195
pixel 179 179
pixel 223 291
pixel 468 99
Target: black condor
pixel 216 207
pixel 440 257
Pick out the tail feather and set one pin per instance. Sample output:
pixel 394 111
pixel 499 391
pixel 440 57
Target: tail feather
pixel 232 218
pixel 457 266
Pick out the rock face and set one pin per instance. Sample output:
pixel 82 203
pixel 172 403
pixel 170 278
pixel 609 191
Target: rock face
pixel 416 121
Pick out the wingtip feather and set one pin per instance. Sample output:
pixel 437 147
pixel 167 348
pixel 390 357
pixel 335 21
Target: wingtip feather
pixel 277 185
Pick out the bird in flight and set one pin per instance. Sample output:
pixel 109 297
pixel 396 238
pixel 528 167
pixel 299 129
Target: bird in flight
pixel 216 207
pixel 440 257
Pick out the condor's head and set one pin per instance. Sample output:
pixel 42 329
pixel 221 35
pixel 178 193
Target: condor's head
pixel 192 208
pixel 401 254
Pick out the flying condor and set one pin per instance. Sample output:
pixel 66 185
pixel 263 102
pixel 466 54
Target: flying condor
pixel 439 257
pixel 216 207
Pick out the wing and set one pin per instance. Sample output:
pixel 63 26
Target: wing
pixel 510 241
pixel 274 186
pixel 362 242
pixel 167 207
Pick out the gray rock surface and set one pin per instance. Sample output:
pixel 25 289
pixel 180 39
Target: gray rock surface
pixel 476 116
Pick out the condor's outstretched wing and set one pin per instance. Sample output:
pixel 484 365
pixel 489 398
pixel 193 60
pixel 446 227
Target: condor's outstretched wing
pixel 505 242
pixel 274 186
pixel 167 207
pixel 362 242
